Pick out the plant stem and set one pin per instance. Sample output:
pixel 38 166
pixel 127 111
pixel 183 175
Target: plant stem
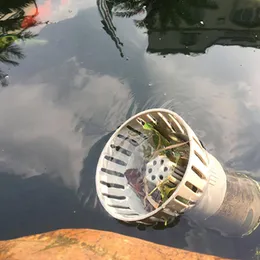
pixel 156 153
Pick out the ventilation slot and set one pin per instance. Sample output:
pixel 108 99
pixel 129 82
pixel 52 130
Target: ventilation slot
pixel 140 121
pixel 182 200
pixel 117 161
pixel 118 207
pixel 180 169
pixel 166 121
pixel 152 119
pixel 136 132
pixel 176 176
pixel 177 126
pixel 112 185
pixel 131 214
pixel 200 157
pixel 131 141
pixel 178 172
pixel 120 149
pixel 183 128
pixel 198 172
pixel 114 196
pixel 115 173
pixel 192 187
pixel 197 142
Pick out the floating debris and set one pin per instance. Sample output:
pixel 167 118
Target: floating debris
pixel 165 165
pixel 148 173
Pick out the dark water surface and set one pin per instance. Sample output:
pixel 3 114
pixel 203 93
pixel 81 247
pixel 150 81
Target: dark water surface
pixel 88 70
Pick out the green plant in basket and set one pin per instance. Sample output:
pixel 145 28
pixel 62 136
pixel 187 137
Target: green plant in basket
pixel 177 151
pixel 163 146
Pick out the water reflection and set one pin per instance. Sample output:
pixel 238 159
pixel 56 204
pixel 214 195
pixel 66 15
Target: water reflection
pixel 15 21
pixel 74 89
pixel 107 22
pixel 217 93
pixel 190 27
pixel 165 14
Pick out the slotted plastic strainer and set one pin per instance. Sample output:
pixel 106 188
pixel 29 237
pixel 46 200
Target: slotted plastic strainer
pixel 130 164
pixel 126 152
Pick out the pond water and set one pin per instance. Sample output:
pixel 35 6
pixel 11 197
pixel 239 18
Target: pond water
pixel 91 66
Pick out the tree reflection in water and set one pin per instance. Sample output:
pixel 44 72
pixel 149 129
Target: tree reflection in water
pixel 14 25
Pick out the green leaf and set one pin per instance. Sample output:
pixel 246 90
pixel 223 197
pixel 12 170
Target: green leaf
pixel 156 140
pixel 166 191
pixel 175 138
pixel 148 126
pixel 165 142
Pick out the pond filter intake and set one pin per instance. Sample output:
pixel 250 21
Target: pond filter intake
pixel 154 168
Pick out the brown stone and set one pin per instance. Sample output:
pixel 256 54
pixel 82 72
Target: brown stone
pixel 84 244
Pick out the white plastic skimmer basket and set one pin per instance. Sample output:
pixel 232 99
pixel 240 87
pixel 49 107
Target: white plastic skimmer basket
pixel 125 152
